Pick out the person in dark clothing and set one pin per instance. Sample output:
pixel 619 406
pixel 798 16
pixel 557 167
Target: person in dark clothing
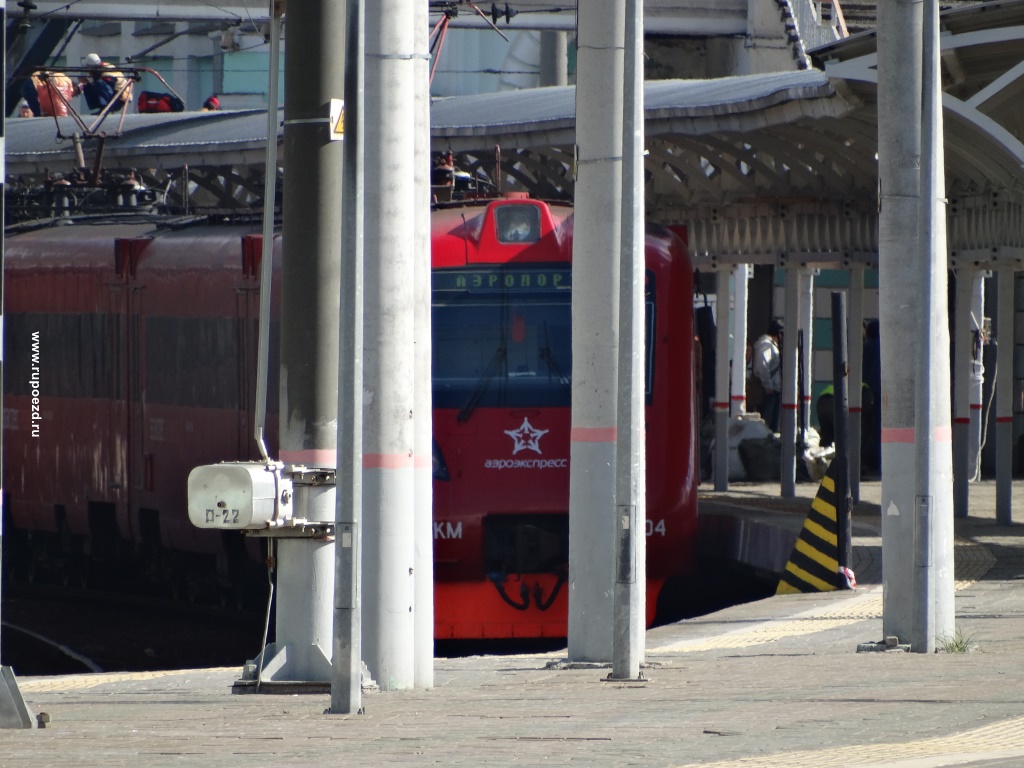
pixel 104 85
pixel 31 95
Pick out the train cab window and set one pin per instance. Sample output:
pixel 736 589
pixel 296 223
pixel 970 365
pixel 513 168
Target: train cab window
pixel 517 223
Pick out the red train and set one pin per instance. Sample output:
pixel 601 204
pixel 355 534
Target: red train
pixel 130 358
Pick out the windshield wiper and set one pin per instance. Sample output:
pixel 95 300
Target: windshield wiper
pixel 498 363
pixel 549 359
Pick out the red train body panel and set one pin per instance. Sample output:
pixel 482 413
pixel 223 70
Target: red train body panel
pixel 143 336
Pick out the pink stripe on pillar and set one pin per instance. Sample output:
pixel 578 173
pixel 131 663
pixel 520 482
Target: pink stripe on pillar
pixel 594 434
pixel 387 461
pixel 902 435
pixel 312 457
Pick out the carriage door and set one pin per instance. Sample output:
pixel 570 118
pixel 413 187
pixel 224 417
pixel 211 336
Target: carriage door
pixel 130 385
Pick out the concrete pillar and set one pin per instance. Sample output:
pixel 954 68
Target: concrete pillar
pixel 899 154
pixel 790 363
pixel 347 657
pixel 720 403
pixel 389 405
pixel 554 58
pixel 855 346
pixel 977 374
pixel 1004 398
pixel 310 291
pixel 738 398
pixel 963 470
pixel 606 510
pixel 806 370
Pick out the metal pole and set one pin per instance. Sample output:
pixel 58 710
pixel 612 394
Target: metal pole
pixel 310 295
pixel 554 58
pixel 933 549
pixel 389 558
pixel 977 373
pixel 790 363
pixel 346 659
pixel 855 392
pixel 595 326
pixel 13 712
pixel 629 597
pixel 738 398
pixel 1004 398
pixel 423 426
pixel 899 157
pixel 807 355
pixel 840 405
pixel 963 471
pixel 720 405
pixel 267 261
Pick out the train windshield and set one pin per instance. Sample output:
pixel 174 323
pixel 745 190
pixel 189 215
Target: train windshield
pixel 501 337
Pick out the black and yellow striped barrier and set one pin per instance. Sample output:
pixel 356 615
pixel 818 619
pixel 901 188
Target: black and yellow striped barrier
pixel 814 564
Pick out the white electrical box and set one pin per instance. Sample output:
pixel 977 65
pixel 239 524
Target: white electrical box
pixel 239 496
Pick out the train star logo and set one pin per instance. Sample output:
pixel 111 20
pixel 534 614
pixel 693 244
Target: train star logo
pixel 526 437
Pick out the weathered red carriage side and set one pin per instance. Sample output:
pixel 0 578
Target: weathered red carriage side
pixel 143 338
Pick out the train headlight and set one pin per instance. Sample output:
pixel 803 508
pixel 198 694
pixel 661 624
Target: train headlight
pixel 440 468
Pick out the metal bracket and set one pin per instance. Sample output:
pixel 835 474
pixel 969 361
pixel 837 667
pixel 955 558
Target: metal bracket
pixel 296 529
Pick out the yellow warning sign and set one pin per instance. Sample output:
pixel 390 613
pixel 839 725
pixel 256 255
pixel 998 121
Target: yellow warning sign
pixel 814 564
pixel 337 119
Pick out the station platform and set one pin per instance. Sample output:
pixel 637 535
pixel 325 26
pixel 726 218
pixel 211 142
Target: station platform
pixel 776 683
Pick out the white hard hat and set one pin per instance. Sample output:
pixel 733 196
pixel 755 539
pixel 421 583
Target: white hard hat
pixel 92 60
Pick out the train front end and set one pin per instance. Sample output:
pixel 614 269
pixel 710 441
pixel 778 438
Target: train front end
pixel 502 363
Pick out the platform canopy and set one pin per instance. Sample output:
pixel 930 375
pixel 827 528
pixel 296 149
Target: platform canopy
pixel 782 167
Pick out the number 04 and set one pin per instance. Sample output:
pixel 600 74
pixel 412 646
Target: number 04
pixel 653 528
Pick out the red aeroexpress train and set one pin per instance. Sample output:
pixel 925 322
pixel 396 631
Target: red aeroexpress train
pixel 130 358
pixel 501 371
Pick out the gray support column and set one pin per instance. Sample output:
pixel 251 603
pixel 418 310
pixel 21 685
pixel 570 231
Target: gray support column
pixel 963 471
pixel 899 156
pixel 346 660
pixel 720 404
pixel 13 712
pixel 977 374
pixel 554 58
pixel 933 613
pixel 423 426
pixel 629 597
pixel 855 347
pixel 806 368
pixel 388 398
pixel 595 327
pixel 1004 398
pixel 738 396
pixel 790 362
pixel 310 295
